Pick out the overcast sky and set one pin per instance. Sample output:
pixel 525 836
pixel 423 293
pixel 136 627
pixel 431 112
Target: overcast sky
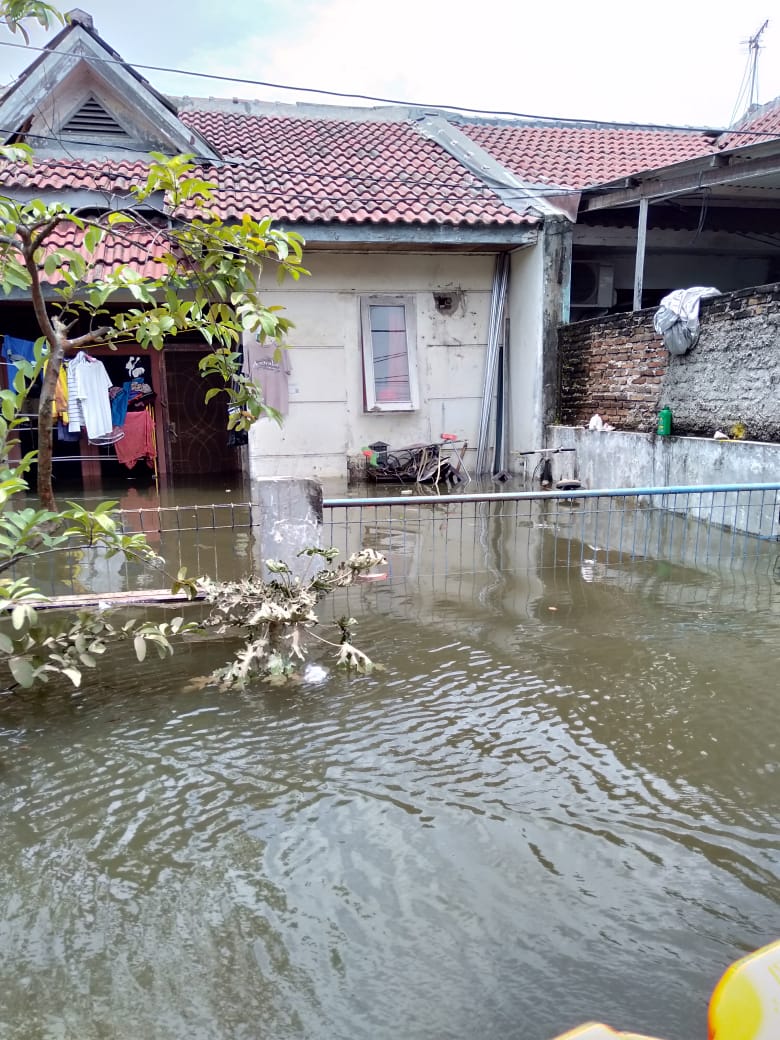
pixel 668 61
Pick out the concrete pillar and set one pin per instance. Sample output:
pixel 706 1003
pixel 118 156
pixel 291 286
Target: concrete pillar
pixel 286 517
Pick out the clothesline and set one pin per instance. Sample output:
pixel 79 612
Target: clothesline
pixel 85 399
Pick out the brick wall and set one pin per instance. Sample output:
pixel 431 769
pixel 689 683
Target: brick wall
pixel 617 366
pixel 613 366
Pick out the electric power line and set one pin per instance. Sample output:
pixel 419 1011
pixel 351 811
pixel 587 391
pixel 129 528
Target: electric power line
pixel 497 113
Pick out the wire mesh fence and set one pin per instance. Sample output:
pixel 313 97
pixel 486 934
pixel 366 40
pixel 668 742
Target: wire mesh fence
pixel 698 526
pixel 439 536
pixel 216 540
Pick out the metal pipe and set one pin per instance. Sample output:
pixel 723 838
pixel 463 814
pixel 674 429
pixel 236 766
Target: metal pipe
pixel 497 305
pixel 527 496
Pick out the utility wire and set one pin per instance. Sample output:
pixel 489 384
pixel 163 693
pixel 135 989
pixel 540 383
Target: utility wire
pixel 498 113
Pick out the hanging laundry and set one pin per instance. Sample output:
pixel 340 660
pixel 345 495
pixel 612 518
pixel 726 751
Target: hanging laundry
pixel 59 406
pixel 15 350
pixel 64 435
pixel 75 411
pixel 88 400
pixel 119 395
pixel 138 441
pixel 114 435
pixel 271 375
pixel 60 403
pixel 141 394
pixel 237 438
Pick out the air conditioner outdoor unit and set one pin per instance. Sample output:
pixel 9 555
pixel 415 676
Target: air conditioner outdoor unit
pixel 592 284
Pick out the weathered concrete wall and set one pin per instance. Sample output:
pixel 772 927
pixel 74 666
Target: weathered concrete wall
pixel 638 460
pixel 617 366
pixel 733 372
pixel 556 243
pixel 327 423
pixel 527 327
pixel 286 518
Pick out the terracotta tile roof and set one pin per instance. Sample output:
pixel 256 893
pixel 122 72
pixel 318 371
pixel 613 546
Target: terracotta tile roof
pixel 765 119
pixel 135 248
pixel 302 170
pixel 73 174
pixel 345 171
pixel 373 171
pixel 578 157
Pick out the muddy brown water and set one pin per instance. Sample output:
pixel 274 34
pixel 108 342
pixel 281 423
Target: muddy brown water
pixel 557 802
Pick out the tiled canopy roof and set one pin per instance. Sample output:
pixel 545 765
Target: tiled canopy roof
pixel 578 157
pixel 68 174
pixel 134 248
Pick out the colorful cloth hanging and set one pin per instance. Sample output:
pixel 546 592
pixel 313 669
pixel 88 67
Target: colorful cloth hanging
pixel 138 441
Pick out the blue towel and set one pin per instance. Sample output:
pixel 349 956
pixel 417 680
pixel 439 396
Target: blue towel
pixel 119 405
pixel 17 350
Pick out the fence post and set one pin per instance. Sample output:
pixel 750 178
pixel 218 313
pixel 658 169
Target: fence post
pixel 286 517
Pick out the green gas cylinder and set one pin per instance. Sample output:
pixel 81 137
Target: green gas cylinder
pixel 665 422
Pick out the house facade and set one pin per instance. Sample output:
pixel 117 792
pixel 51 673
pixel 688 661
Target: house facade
pixel 402 239
pixel 407 216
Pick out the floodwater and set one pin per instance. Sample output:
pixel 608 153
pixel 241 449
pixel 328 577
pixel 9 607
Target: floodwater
pixel 558 801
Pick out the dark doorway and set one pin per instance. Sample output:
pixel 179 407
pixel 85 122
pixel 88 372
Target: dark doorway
pixel 196 432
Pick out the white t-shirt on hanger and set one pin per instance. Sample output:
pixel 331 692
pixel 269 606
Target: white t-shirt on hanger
pixel 88 385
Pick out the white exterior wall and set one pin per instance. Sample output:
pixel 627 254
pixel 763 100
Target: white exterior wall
pixel 326 421
pixel 662 272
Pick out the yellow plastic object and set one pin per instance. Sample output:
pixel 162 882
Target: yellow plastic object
pixel 596 1031
pixel 746 1002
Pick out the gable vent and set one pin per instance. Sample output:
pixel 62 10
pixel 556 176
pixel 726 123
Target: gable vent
pixel 93 119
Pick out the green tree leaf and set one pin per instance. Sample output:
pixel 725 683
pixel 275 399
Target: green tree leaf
pixel 140 647
pixel 22 670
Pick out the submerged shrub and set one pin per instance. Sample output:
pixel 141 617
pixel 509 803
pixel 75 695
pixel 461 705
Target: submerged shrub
pixel 276 617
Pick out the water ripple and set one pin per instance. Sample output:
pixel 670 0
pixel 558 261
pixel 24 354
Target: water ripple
pixel 534 827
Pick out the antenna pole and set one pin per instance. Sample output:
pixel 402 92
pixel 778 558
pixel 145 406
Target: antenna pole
pixel 754 46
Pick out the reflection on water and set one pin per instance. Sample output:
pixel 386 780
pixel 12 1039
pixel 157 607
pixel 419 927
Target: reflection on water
pixel 557 802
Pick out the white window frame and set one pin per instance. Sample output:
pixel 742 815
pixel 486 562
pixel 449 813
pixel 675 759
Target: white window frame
pixel 369 381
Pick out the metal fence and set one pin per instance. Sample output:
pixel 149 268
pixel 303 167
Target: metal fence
pixel 216 540
pixel 427 534
pixel 723 525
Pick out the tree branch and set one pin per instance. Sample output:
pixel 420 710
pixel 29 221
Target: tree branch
pixel 43 232
pixel 38 302
pixel 96 336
